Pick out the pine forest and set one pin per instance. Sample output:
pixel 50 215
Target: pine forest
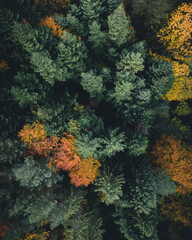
pixel 95 120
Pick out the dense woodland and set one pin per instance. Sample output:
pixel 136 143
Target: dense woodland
pixel 96 118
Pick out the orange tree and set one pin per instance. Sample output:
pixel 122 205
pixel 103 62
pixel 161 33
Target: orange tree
pixel 62 151
pixel 176 36
pixel 178 208
pixel 54 27
pixel 176 160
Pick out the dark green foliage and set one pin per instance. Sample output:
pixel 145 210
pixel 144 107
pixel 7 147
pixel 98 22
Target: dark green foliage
pixel 6 21
pixel 72 53
pixel 89 121
pixel 27 37
pixel 165 185
pixel 109 186
pixel 90 9
pixel 85 226
pixel 152 10
pixel 138 144
pixel 99 84
pixel 161 76
pixel 113 4
pixel 64 211
pixel 42 63
pixel 136 212
pixel 28 90
pixel 97 38
pixel 30 174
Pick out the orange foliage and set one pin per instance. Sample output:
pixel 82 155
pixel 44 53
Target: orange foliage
pixel 45 146
pixel 50 23
pixel 32 133
pixel 3 65
pixel 25 22
pixel 178 209
pixel 176 160
pixel 64 156
pixel 3 229
pixel 84 172
pixel 176 36
pixel 62 151
pixel 37 236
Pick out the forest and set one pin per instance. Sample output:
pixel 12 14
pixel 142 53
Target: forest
pixel 95 120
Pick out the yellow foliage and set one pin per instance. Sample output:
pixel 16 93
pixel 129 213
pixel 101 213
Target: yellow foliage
pixel 32 133
pixel 176 36
pixel 37 236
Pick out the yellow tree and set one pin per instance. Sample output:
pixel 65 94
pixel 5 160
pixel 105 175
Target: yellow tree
pixel 176 35
pixel 175 160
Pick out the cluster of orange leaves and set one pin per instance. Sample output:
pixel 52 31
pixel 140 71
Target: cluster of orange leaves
pixel 3 65
pixel 176 160
pixel 176 36
pixel 37 236
pixel 178 209
pixel 3 229
pixel 54 27
pixel 64 156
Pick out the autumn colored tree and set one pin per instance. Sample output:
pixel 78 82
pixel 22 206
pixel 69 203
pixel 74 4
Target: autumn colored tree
pixel 3 229
pixel 85 172
pixel 175 160
pixel 178 208
pixel 54 27
pixel 64 155
pixel 176 36
pixel 37 235
pixel 32 133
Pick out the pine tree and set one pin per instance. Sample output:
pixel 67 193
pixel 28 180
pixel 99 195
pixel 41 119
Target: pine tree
pixel 119 26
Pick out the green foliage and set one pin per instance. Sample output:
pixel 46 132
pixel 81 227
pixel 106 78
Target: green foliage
pixel 63 212
pixel 136 212
pixel 28 90
pixel 42 63
pixel 90 9
pixel 84 226
pixel 55 114
pixel 132 62
pixel 161 76
pixel 30 174
pixel 97 38
pixel 138 144
pixel 89 121
pixel 27 37
pixel 123 88
pixel 75 26
pixel 92 83
pixel 11 151
pixel 119 26
pixel 113 4
pixel 152 10
pixel 72 53
pixel 164 184
pixel 6 22
pixel 88 146
pixel 114 142
pixel 182 109
pixel 109 186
